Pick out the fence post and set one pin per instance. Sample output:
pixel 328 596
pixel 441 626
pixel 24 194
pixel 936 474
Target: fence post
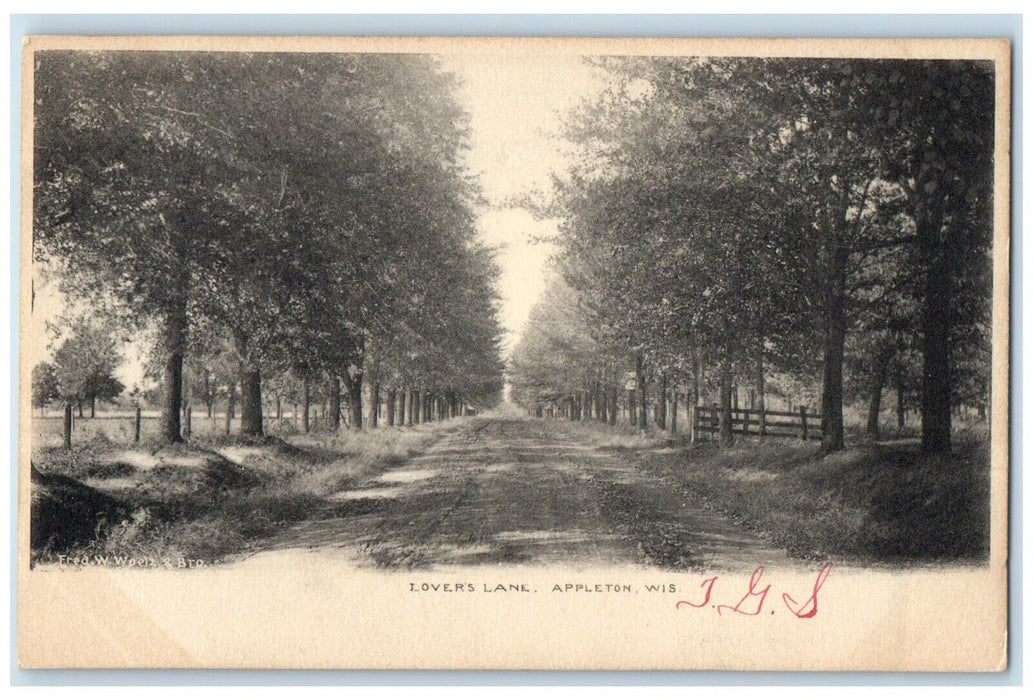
pixel 136 426
pixel 68 425
pixel 803 422
pixel 713 420
pixel 763 423
pixel 693 424
pixel 746 421
pixel 186 420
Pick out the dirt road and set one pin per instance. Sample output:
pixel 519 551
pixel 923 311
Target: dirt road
pixel 521 491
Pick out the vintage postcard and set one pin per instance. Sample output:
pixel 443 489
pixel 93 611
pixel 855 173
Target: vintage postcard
pixel 399 353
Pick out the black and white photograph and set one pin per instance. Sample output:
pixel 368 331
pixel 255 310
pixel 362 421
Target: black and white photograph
pixel 486 341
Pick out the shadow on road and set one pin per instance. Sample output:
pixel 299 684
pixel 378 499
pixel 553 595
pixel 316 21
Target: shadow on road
pixel 518 491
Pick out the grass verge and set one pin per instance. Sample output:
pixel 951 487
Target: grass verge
pixel 867 504
pixel 208 500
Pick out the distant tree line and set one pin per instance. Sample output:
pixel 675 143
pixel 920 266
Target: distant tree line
pixel 294 222
pixel 730 219
pixel 82 371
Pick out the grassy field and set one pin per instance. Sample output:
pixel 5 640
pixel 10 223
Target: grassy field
pixel 118 427
pixel 213 498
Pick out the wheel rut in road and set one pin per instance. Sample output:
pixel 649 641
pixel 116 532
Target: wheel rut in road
pixel 523 491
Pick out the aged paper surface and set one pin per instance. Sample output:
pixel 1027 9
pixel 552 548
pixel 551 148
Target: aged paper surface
pixel 324 607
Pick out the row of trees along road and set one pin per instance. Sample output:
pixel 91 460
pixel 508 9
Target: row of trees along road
pixel 276 218
pixel 728 219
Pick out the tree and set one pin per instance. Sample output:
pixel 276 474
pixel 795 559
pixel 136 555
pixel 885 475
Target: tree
pixel 748 210
pixel 85 364
pixel 942 128
pixel 287 215
pixel 45 387
pixel 125 197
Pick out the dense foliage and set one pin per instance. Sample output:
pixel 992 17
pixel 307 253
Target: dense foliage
pixel 295 220
pixel 732 219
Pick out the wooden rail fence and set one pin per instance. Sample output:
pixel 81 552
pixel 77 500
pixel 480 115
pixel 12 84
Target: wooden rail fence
pixel 129 426
pixel 706 423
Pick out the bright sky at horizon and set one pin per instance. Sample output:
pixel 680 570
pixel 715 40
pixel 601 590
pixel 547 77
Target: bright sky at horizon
pixel 517 105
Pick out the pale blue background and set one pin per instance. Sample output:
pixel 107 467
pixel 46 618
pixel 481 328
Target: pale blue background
pixel 1001 26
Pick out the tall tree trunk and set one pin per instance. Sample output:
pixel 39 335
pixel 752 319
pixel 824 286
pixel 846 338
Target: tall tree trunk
pixel 411 417
pixel 832 349
pixel 697 376
pixel 832 391
pixel 392 404
pixel 333 410
pixel 93 407
pixel 759 395
pixel 936 379
pixel 901 407
pixel 250 399
pixel 878 380
pixel 725 396
pixel 173 347
pixel 231 396
pixel 661 403
pixel 614 407
pixel 640 371
pixel 68 425
pixel 674 409
pixel 374 409
pixel 305 402
pixel 353 383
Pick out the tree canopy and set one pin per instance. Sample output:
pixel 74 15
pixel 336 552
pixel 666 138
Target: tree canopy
pixel 731 218
pixel 307 212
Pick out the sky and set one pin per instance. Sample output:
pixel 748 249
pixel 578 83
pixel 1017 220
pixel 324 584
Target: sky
pixel 517 104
